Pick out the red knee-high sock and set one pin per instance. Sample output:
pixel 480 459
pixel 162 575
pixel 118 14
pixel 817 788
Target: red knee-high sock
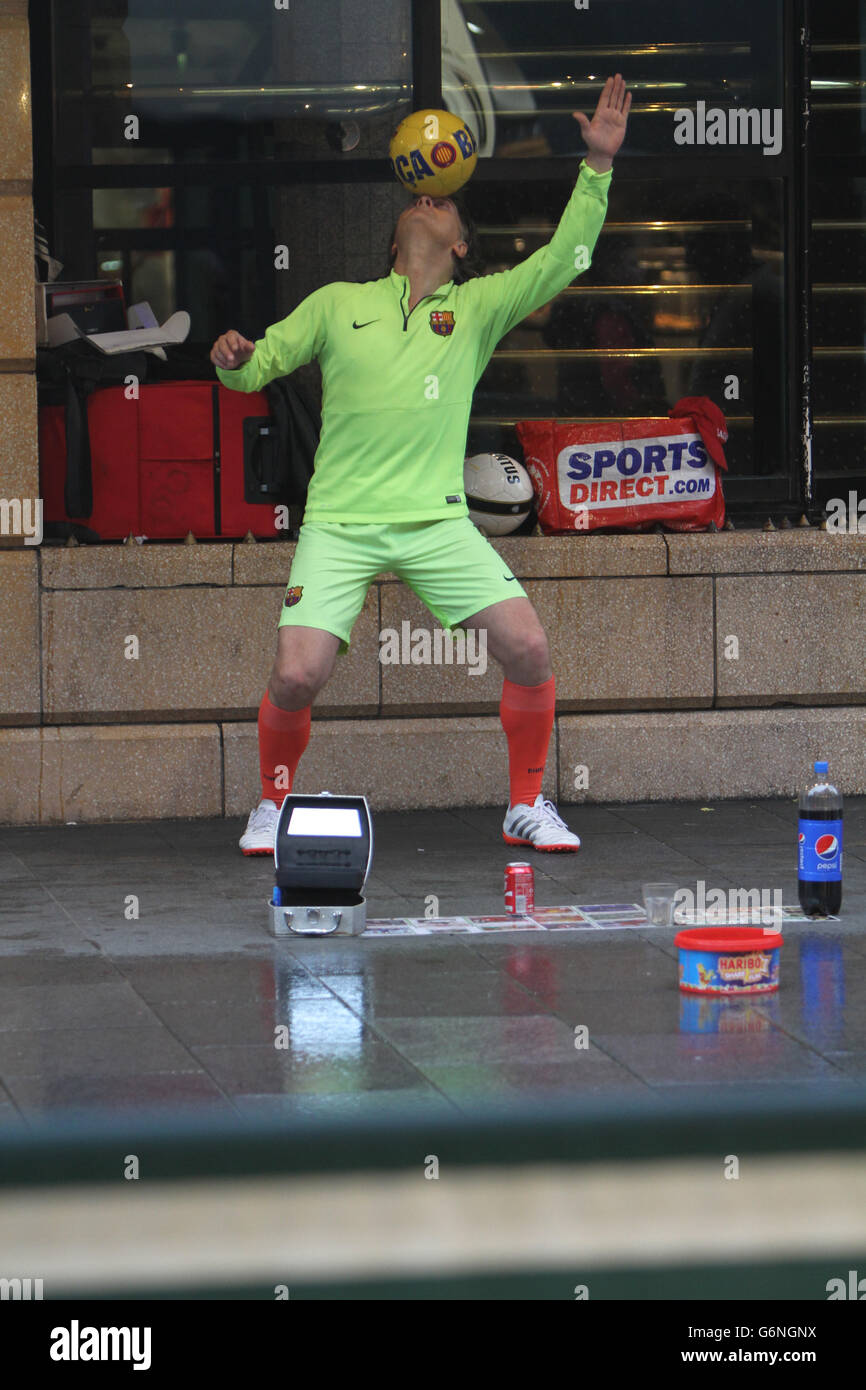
pixel 283 736
pixel 527 714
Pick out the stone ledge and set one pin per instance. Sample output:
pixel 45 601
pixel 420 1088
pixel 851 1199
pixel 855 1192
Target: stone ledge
pixel 573 557
pixel 748 552
pixel 618 643
pixel 801 638
pixel 529 557
pixel 710 754
pixel 142 772
pixel 631 643
pixel 543 557
pixel 148 566
pixel 19 637
pixel 264 563
pixel 398 764
pixel 93 773
pixel 202 653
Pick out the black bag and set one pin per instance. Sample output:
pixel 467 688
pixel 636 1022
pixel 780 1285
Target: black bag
pixel 286 467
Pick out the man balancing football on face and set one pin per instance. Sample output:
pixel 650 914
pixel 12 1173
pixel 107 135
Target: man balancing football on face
pixel 400 358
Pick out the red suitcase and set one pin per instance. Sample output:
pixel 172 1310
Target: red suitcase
pixel 181 457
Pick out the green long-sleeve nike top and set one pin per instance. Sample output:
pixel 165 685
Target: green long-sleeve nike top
pixel 397 386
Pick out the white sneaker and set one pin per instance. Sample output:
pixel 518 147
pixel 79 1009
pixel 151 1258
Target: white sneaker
pixel 539 825
pixel 261 831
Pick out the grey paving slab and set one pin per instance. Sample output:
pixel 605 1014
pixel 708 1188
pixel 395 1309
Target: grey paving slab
pixel 443 993
pixel 703 1059
pixel 366 956
pixel 41 1007
pixel 849 935
pixel 14 874
pixel 851 1062
pixel 622 961
pixel 23 895
pixel 579 883
pixel 525 1037
pixel 771 866
pixel 54 844
pixel 6 1102
pixel 228 979
pixel 199 934
pixel 407 1100
pixel 589 1074
pixel 754 874
pixel 44 940
pixel 806 1089
pixel 604 1011
pixel 769 838
pixel 64 1052
pixel 154 867
pixel 732 821
pixel 441 877
pixel 86 967
pixel 442 1022
pixel 230 1021
pixel 153 895
pixel 780 804
pixel 350 1058
pixel 37 1096
pixel 11 1119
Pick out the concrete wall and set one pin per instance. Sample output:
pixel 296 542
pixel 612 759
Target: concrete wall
pixel 687 666
pixel 652 701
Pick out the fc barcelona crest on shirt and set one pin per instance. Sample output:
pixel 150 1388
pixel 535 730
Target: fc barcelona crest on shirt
pixel 293 596
pixel 442 322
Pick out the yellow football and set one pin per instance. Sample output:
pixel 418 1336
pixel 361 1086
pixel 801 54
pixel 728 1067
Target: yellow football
pixel 433 152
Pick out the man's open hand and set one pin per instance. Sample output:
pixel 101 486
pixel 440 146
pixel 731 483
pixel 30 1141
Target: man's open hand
pixel 606 131
pixel 231 350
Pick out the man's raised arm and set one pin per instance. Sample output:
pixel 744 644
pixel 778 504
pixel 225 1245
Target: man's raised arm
pixel 507 297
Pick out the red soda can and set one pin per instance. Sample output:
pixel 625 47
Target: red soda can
pixel 519 889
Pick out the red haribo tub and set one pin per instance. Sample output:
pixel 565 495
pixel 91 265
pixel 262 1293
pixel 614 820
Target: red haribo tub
pixel 729 960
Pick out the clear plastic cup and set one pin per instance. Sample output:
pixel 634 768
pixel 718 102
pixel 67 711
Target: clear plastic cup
pixel 658 899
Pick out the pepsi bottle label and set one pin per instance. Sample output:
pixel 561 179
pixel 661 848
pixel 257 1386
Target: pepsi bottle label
pixel 820 843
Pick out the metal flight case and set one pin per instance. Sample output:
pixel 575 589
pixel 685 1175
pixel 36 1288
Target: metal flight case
pixel 322 855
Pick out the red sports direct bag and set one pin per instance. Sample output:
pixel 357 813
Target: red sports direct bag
pixel 629 475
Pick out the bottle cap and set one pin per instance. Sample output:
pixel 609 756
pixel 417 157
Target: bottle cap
pixel 820 767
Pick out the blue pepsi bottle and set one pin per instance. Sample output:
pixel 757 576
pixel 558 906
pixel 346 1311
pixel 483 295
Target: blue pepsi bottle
pixel 819 876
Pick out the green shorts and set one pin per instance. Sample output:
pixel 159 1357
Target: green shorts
pixel 448 564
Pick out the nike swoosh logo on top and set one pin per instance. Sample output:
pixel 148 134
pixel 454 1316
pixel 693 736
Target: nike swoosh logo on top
pixel 364 325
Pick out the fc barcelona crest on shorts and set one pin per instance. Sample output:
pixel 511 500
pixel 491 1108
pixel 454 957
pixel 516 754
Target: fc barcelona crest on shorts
pixel 442 322
pixel 293 596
